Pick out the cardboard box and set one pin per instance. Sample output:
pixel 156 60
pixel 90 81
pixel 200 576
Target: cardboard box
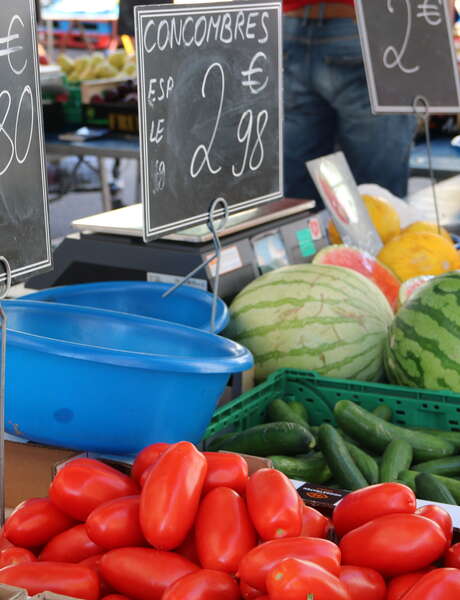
pixel 29 470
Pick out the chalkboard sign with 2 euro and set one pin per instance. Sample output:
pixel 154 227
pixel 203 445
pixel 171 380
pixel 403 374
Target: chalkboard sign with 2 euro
pixel 210 106
pixel 408 52
pixel 24 224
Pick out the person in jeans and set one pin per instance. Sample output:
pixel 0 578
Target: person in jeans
pixel 326 102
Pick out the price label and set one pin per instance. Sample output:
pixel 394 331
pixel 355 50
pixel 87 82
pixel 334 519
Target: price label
pixel 336 184
pixel 24 226
pixel 210 109
pixel 409 51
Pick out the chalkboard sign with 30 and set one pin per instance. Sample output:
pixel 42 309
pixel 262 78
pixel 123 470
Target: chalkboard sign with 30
pixel 24 228
pixel 210 109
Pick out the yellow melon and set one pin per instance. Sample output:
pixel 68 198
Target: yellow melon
pixel 429 227
pixel 419 253
pixel 384 217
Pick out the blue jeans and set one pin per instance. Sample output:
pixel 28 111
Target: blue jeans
pixel 327 108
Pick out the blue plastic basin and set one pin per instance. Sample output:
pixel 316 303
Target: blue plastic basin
pixel 187 305
pixel 111 382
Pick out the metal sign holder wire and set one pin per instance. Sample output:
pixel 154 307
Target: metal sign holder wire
pixel 421 108
pixel 3 293
pixel 219 205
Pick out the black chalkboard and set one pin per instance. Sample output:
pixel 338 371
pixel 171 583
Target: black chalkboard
pixel 408 52
pixel 210 106
pixel 24 226
pixel 126 14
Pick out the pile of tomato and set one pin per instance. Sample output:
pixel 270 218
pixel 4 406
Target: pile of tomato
pixel 190 525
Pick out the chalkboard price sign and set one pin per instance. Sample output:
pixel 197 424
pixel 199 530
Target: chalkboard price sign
pixel 24 226
pixel 210 109
pixel 408 52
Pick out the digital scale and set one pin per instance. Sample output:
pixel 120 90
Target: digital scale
pixel 109 246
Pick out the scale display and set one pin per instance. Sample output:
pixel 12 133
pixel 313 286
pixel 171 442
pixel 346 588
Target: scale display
pixel 210 109
pixel 24 224
pixel 270 251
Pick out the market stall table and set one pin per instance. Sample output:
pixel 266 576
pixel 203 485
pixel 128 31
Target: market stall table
pixel 446 159
pixel 113 146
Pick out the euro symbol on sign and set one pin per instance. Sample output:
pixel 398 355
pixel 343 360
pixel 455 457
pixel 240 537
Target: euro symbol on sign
pixel 430 11
pixel 251 81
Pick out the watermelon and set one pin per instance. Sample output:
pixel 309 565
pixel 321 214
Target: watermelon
pixel 316 317
pixel 423 347
pixel 410 286
pixel 364 263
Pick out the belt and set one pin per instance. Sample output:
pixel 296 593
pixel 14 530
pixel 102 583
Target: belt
pixel 324 11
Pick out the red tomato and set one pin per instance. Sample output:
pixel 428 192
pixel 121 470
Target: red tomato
pixel 294 579
pixel 171 495
pixel 84 483
pixel 143 573
pixel 452 557
pixel 15 556
pixel 115 524
pixel 440 584
pixel 398 586
pixel 115 597
pixel 256 564
pixel 372 502
pixel 4 542
pixel 145 474
pixel 72 545
pixel 204 585
pixel 188 548
pixel 362 583
pixel 273 505
pixel 147 457
pixel 61 578
pixel 93 562
pixel 223 530
pixel 314 524
pixel 34 522
pixel 394 544
pixel 440 516
pixel 225 470
pixel 248 592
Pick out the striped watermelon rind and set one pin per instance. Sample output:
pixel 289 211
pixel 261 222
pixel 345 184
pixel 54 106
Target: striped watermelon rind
pixel 315 317
pixel 423 346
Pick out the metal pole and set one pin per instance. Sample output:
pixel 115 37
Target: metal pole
pixel 6 265
pixel 214 228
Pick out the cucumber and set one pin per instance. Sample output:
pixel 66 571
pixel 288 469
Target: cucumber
pixel 408 478
pixel 450 436
pixel 383 411
pixel 339 459
pixel 430 488
pixel 312 469
pixel 279 410
pixel 397 457
pixel 270 438
pixel 216 441
pixel 375 434
pixel 299 408
pixel 442 466
pixel 365 463
pixel 453 485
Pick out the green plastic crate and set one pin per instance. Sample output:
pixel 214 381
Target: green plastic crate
pixel 72 108
pixel 411 407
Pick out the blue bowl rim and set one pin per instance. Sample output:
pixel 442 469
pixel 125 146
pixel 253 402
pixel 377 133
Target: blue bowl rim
pixel 238 357
pixel 222 312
